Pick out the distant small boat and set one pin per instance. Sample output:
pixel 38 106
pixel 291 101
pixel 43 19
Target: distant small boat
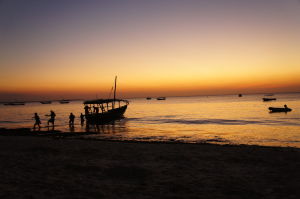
pixel 268 99
pixel 161 98
pixel 240 95
pixel 64 101
pixel 14 104
pixel 276 110
pixel 45 102
pixel 148 98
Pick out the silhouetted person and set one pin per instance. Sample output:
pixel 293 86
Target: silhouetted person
pixel 96 109
pixel 52 118
pixel 102 108
pixel 37 121
pixel 285 106
pixel 81 119
pixel 86 109
pixel 71 121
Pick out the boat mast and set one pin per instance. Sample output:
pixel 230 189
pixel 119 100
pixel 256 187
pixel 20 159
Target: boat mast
pixel 115 91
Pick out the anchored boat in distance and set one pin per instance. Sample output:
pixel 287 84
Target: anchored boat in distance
pixel 64 101
pixel 265 99
pixel 161 98
pixel 14 103
pixel 45 102
pixel 277 109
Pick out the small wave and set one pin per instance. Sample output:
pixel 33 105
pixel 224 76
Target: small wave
pixel 213 121
pixel 9 122
pixel 216 121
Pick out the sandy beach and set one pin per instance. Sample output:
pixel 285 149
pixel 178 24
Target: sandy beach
pixel 60 167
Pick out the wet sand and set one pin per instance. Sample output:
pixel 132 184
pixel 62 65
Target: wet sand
pixel 59 167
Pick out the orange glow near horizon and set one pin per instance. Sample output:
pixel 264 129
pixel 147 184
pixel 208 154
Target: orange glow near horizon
pixel 155 49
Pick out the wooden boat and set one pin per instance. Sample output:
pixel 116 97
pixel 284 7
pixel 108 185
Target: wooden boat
pixel 64 101
pixel 161 98
pixel 105 110
pixel 148 98
pixel 276 110
pixel 14 104
pixel 45 102
pixel 240 95
pixel 268 99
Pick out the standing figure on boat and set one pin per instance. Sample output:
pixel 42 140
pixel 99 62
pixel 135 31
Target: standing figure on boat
pixel 52 118
pixel 71 119
pixel 102 108
pixel 37 121
pixel 96 109
pixel 86 109
pixel 81 119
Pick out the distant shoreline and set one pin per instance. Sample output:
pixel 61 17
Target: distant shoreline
pixel 130 98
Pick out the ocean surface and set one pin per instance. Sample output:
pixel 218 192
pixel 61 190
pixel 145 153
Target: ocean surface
pixel 225 119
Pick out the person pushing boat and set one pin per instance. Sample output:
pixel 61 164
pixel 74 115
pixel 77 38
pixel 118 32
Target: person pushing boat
pixel 86 109
pixel 52 118
pixel 37 121
pixel 71 119
pixel 81 119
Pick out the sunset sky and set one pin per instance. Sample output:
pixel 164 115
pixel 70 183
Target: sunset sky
pixel 74 48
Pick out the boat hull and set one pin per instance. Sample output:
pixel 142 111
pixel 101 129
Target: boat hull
pixel 46 102
pixel 106 117
pixel 64 102
pixel 268 99
pixel 161 98
pixel 14 104
pixel 277 110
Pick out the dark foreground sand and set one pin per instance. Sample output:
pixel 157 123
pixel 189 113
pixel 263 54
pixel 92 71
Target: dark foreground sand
pixel 49 167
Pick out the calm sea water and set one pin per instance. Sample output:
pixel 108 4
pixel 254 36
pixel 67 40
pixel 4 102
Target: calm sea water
pixel 213 119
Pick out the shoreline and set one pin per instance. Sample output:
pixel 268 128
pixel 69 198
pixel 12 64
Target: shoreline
pixel 47 167
pixel 56 134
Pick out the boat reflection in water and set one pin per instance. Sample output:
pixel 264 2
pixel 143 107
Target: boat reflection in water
pixel 114 130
